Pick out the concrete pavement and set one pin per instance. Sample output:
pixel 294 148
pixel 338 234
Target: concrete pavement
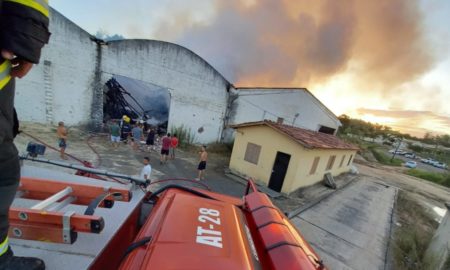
pixel 351 229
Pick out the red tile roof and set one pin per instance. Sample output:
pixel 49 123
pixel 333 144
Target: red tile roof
pixel 307 138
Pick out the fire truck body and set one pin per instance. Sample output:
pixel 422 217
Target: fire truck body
pixel 175 227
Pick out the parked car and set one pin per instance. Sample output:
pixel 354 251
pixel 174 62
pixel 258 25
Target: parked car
pixel 440 165
pixel 411 164
pixel 410 155
pixel 433 162
pixel 398 152
pixel 427 161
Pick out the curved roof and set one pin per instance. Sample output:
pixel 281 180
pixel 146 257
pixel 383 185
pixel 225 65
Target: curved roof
pixel 148 41
pixel 173 45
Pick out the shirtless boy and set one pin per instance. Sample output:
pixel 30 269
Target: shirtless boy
pixel 61 132
pixel 202 164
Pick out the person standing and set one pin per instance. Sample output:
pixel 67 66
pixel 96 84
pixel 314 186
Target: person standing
pixel 23 33
pixel 61 132
pixel 125 128
pixel 136 134
pixel 166 142
pixel 114 130
pixel 202 163
pixel 173 146
pixel 146 170
pixel 150 140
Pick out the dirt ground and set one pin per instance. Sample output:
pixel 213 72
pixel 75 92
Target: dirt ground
pixel 428 193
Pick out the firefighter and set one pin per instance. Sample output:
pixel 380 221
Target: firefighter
pixel 23 32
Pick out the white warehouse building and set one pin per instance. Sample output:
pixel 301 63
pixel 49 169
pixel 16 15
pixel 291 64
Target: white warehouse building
pixel 68 86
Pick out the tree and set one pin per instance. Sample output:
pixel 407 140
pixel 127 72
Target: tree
pixel 103 35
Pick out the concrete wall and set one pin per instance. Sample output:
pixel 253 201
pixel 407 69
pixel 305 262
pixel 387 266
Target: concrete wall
pixel 59 88
pixel 303 177
pixel 198 92
pixel 68 83
pixel 258 104
pixel 68 86
pixel 271 142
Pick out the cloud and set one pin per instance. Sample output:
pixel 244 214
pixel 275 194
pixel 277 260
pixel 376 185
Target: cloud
pixel 414 122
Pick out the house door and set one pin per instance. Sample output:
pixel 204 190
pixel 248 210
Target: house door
pixel 279 170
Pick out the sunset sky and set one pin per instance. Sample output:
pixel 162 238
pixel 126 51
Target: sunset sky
pixel 385 61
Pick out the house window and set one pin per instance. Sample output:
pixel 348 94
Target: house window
pixel 349 160
pixel 314 165
pixel 327 130
pixel 342 161
pixel 252 153
pixel 330 163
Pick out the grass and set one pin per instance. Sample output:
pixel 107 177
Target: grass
pixel 186 140
pixel 384 159
pixel 411 240
pixel 185 135
pixel 438 178
pixel 220 148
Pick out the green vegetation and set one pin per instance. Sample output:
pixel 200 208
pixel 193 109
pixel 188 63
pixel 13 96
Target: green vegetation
pixel 415 148
pixel 220 148
pixel 384 159
pixel 362 128
pixel 411 240
pixel 359 130
pixel 439 178
pixel 185 135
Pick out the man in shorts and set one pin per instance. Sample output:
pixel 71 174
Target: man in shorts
pixel 166 142
pixel 61 132
pixel 202 163
pixel 115 133
pixel 136 134
pixel 150 142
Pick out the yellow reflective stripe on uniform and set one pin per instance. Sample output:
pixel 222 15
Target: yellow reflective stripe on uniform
pixel 39 5
pixel 5 69
pixel 4 246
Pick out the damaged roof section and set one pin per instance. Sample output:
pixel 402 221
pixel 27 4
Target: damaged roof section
pixel 308 138
pixel 139 100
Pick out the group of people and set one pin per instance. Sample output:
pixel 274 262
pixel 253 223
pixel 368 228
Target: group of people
pixel 147 169
pixel 137 136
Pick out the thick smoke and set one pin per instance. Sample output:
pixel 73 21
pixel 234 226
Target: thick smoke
pixel 298 43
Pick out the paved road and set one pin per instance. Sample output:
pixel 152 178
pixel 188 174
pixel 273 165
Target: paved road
pixel 350 229
pixel 420 165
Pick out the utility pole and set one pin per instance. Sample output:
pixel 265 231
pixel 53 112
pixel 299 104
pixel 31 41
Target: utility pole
pixel 398 146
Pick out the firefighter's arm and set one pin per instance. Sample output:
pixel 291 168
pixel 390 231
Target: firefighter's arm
pixel 24 30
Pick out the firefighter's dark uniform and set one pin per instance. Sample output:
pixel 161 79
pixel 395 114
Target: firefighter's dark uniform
pixel 23 31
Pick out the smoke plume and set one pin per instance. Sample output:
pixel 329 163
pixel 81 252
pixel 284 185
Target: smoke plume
pixel 298 43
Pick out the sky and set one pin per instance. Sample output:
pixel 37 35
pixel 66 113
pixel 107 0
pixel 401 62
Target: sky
pixel 385 61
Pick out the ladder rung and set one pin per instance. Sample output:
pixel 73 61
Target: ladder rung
pixel 52 199
pixel 62 204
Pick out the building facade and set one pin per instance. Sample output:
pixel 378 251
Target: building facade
pixel 296 106
pixel 286 158
pixel 69 82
